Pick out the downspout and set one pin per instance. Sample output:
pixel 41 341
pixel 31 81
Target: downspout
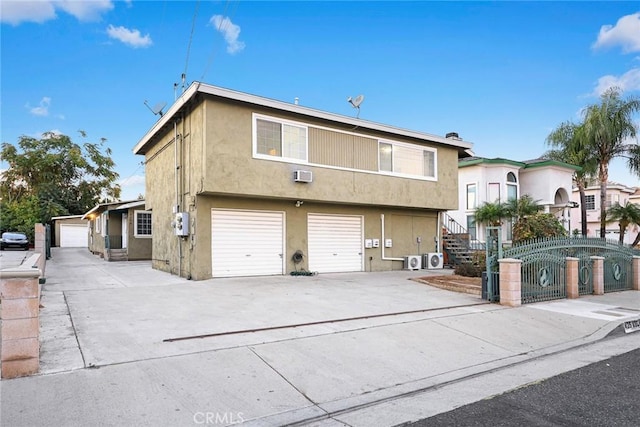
pixel 382 243
pixel 439 234
pixel 176 167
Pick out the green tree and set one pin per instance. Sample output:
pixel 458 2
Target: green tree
pixel 609 128
pixel 52 176
pixel 626 215
pixel 492 214
pixel 522 207
pixel 536 226
pixel 570 144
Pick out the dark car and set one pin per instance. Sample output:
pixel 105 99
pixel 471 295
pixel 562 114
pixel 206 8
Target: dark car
pixel 14 240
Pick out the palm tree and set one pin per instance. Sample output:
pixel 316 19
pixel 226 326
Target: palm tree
pixel 492 214
pixel 608 128
pixel 626 215
pixel 522 207
pixel 570 140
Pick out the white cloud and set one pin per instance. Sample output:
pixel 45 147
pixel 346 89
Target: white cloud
pixel 229 31
pixel 15 12
pixel 129 37
pixel 629 81
pixel 625 33
pixel 132 181
pixel 42 109
pixel 85 10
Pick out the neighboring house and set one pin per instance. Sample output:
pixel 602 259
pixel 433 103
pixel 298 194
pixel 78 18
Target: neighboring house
pixel 481 180
pixel 242 185
pixel 120 231
pixel 616 193
pixel 70 231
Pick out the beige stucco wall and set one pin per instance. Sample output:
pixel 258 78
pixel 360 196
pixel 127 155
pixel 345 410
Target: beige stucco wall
pixel 401 225
pixel 212 167
pixel 65 221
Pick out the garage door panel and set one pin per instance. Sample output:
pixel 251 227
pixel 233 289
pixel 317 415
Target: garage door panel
pixel 73 236
pixel 335 243
pixel 246 243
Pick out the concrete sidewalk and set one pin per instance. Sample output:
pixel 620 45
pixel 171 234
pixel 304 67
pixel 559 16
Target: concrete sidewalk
pixel 125 345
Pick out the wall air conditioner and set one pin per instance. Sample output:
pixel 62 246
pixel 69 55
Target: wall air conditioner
pixel 432 260
pixel 412 262
pixel 302 176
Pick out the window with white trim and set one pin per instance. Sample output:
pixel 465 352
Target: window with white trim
pixel 142 223
pixel 279 138
pixel 472 198
pixel 590 202
pixel 103 220
pixel 512 186
pixel 97 223
pixel 406 159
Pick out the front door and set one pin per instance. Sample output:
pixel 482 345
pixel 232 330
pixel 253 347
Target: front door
pixel 125 230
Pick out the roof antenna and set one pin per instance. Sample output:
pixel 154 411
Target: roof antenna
pixel 356 103
pixel 157 109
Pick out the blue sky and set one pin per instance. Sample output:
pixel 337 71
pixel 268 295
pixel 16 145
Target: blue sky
pixel 501 74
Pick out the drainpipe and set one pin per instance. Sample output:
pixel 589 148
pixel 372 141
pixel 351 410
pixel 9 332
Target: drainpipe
pixel 176 167
pixel 439 233
pixel 384 258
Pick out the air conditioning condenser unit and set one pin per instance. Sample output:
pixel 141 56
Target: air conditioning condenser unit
pixel 412 262
pixel 302 176
pixel 433 260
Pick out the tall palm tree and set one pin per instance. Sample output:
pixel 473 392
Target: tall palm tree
pixel 626 215
pixel 522 207
pixel 609 127
pixel 571 147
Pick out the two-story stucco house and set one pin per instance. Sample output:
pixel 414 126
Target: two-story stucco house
pixel 616 193
pixel 242 185
pixel 481 180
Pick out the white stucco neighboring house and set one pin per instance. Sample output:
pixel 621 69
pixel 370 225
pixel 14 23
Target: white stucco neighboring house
pixel 481 180
pixel 616 193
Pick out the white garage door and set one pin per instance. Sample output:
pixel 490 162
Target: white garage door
pixel 73 236
pixel 246 243
pixel 335 243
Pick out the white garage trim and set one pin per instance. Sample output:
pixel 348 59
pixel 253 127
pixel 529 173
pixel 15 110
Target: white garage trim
pixel 73 236
pixel 246 243
pixel 335 243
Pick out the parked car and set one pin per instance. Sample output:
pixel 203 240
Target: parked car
pixel 14 240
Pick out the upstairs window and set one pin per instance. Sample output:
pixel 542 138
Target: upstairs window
pixel 281 139
pixel 408 160
pixel 472 199
pixel 590 202
pixel 142 224
pixel 512 186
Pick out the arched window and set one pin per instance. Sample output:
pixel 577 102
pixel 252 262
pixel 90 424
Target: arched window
pixel 512 186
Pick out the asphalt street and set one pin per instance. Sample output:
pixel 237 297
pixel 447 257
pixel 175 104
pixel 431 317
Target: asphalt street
pixel 605 393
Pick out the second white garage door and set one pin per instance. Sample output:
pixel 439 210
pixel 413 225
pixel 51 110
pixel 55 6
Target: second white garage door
pixel 335 243
pixel 246 243
pixel 73 236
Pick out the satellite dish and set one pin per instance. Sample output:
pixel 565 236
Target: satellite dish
pixel 356 102
pixel 157 109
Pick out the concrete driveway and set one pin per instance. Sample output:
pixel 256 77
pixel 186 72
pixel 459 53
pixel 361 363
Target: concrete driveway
pixel 321 350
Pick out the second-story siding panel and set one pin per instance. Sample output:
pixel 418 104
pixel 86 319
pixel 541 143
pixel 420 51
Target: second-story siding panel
pixel 342 150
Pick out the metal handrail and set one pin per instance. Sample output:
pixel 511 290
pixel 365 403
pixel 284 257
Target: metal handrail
pixel 456 229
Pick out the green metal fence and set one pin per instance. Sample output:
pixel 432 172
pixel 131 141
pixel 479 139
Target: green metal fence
pixel 618 272
pixel 543 265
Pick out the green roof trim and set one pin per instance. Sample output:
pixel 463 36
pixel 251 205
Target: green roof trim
pixel 497 161
pixel 524 165
pixel 547 162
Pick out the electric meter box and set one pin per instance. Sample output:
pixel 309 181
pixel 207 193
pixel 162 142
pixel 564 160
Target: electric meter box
pixel 182 224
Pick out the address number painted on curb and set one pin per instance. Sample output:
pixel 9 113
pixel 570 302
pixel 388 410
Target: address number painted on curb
pixel 632 325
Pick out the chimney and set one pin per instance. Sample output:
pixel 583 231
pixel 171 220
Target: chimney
pixel 453 135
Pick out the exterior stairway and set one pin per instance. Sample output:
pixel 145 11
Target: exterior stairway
pixel 116 255
pixel 456 242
